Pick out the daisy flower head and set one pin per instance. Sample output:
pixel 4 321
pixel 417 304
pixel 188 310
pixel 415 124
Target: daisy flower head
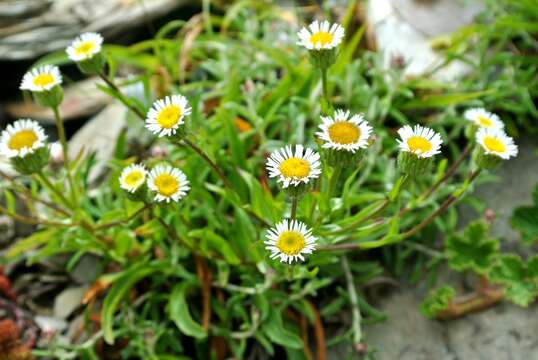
pixel 85 47
pixel 42 78
pixel 495 142
pixel 21 138
pixel 289 241
pixel 133 177
pixel 168 183
pixel 483 119
pixel 294 167
pixel 166 115
pixel 420 141
pixel 321 36
pixel 342 132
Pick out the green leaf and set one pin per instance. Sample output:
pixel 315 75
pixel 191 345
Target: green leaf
pixel 443 100
pixel 524 219
pixel 217 243
pixel 520 279
pixel 275 330
pixel 473 250
pixel 245 235
pixel 180 314
pixel 38 238
pixel 118 291
pixel 437 301
pixel 11 203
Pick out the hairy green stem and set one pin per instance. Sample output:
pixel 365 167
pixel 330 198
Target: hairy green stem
pixel 325 89
pixel 334 180
pixel 122 97
pixel 294 202
pixel 210 162
pixel 65 149
pixel 50 186
pixel 446 204
pixel 355 311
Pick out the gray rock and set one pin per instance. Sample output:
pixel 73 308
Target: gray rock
pixel 7 229
pixel 437 17
pixel 501 332
pixel 50 324
pixel 52 25
pixel 86 269
pixel 99 135
pixel 403 28
pixel 68 301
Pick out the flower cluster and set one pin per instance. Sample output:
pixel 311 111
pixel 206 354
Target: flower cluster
pixel 164 181
pixel 343 137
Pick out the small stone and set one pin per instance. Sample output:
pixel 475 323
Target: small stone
pixel 86 269
pixel 7 229
pixel 68 301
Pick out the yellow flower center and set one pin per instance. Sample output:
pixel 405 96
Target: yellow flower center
pixel 419 144
pixel 484 121
pixel 494 144
pixel 133 178
pixel 290 242
pixel 169 116
pixel 22 139
pixel 85 48
pixel 43 80
pixel 344 132
pixel 295 168
pixel 166 184
pixel 323 38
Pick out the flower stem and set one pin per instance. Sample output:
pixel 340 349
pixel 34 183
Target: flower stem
pixel 210 162
pixel 50 186
pixel 446 204
pixel 325 89
pixel 122 97
pixel 451 170
pixel 294 202
pixel 65 149
pixel 334 180
pixel 355 311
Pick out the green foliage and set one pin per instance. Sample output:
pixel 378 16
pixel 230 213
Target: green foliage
pixel 525 220
pixel 437 301
pixel 472 250
pixel 519 278
pixel 179 313
pixel 251 91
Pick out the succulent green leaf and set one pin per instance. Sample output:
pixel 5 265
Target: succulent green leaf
pixel 519 278
pixel 473 250
pixel 525 220
pixel 278 333
pixel 180 314
pixel 437 301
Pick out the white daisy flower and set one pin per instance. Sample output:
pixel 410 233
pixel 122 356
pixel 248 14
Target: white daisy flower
pixel 132 177
pixel 21 138
pixel 85 47
pixel 42 78
pixel 290 240
pixel 167 114
pixel 321 36
pixel 421 141
pixel 343 133
pixel 168 183
pixel 496 142
pixel 294 168
pixel 483 118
